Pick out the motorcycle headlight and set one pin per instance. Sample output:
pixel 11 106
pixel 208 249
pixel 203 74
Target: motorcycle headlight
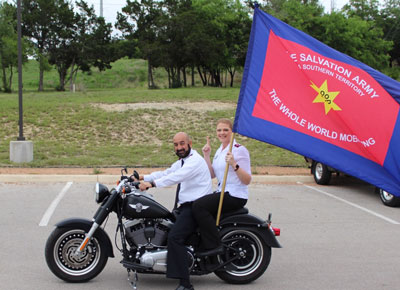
pixel 101 192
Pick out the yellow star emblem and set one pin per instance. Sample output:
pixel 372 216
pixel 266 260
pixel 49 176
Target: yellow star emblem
pixel 326 97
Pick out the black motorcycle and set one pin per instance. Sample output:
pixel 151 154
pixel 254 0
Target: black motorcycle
pixel 78 249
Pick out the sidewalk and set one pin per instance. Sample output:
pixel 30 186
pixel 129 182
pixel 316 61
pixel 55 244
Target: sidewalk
pixel 267 175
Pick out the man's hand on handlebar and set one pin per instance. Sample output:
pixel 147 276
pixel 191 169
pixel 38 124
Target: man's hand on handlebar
pixel 144 185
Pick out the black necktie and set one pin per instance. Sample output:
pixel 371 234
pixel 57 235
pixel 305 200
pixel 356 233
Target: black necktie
pixel 178 188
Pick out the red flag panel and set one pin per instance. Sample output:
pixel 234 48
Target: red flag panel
pixel 326 99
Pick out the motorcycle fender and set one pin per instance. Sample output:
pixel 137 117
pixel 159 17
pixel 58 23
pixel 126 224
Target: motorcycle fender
pixel 254 223
pixel 86 224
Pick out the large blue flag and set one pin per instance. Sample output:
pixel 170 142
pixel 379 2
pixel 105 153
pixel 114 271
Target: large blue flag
pixel 299 94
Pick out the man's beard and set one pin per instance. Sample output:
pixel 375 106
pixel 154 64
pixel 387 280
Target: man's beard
pixel 183 153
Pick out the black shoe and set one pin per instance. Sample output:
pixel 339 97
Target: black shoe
pixel 213 252
pixel 180 287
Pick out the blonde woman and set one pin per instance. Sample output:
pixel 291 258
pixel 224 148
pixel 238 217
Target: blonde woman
pixel 236 191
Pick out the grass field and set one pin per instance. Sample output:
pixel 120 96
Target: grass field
pixel 96 126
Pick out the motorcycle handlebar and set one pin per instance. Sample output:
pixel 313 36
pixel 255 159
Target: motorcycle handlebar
pixel 128 180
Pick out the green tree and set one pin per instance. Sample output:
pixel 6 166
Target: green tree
pixel 209 35
pixel 62 41
pixel 367 39
pixel 138 22
pixel 8 44
pixel 365 9
pixel 79 41
pixel 237 37
pixel 38 24
pixel 214 48
pixel 301 14
pixel 172 27
pixel 93 45
pixel 357 38
pixel 389 21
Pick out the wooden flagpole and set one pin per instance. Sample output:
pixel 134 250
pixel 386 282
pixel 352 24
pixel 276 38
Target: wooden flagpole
pixel 221 199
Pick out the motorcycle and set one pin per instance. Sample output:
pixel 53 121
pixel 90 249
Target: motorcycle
pixel 77 250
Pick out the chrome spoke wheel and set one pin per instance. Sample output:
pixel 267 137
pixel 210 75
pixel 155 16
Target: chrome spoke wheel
pixel 246 250
pixel 69 261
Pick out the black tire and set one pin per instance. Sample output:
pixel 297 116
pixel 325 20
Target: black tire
pixel 59 250
pixel 388 199
pixel 255 256
pixel 322 175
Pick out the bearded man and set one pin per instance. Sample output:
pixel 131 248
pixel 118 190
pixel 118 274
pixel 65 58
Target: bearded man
pixel 193 178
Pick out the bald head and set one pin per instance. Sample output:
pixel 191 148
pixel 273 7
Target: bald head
pixel 181 136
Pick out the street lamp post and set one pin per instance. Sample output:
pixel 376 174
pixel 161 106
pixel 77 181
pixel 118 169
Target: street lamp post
pixel 21 151
pixel 21 115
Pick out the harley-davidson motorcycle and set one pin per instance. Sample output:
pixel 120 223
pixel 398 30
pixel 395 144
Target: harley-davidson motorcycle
pixel 78 249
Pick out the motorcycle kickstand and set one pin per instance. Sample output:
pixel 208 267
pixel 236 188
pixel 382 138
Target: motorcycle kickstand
pixel 133 283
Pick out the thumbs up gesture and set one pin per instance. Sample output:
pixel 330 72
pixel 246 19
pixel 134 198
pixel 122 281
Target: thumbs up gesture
pixel 207 148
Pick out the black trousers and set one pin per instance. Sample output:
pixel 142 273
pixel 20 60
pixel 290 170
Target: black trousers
pixel 205 210
pixel 177 258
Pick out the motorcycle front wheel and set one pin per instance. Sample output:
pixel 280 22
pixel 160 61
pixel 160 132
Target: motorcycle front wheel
pixel 62 260
pixel 249 253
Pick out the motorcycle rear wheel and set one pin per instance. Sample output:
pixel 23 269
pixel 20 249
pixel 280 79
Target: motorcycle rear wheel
pixel 254 256
pixel 59 251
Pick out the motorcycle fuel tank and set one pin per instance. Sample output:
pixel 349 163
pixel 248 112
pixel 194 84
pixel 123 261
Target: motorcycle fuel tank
pixel 140 206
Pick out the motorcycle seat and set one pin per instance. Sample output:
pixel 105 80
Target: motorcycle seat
pixel 243 210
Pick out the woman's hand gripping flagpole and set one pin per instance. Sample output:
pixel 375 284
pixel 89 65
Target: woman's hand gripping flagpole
pixel 221 199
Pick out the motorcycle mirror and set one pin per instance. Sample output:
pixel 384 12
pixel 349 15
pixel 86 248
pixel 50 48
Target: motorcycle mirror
pixel 136 174
pixel 125 169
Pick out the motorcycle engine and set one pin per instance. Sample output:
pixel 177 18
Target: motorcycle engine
pixel 150 235
pixel 147 233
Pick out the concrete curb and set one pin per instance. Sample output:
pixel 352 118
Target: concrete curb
pixel 102 178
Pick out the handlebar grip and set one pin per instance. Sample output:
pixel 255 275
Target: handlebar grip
pixel 136 184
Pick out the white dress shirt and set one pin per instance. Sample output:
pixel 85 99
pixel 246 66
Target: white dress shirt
pixel 233 184
pixel 194 177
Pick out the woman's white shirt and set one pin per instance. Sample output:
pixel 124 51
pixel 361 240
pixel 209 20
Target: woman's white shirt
pixel 233 184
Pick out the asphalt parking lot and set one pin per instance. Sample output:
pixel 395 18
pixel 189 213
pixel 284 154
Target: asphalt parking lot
pixel 334 237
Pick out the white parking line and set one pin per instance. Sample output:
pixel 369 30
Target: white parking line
pixel 49 212
pixel 353 204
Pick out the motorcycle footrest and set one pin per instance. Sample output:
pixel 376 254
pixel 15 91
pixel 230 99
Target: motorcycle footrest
pixel 133 265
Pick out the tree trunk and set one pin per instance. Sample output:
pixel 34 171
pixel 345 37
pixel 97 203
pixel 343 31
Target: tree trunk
pixel 41 71
pixel 178 82
pixel 175 77
pixel 193 83
pixel 71 77
pixel 62 74
pixel 218 79
pixel 10 79
pixel 7 82
pixel 184 77
pixel 169 77
pixel 202 77
pixel 41 76
pixel 212 79
pixel 150 80
pixel 4 78
pixel 232 74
